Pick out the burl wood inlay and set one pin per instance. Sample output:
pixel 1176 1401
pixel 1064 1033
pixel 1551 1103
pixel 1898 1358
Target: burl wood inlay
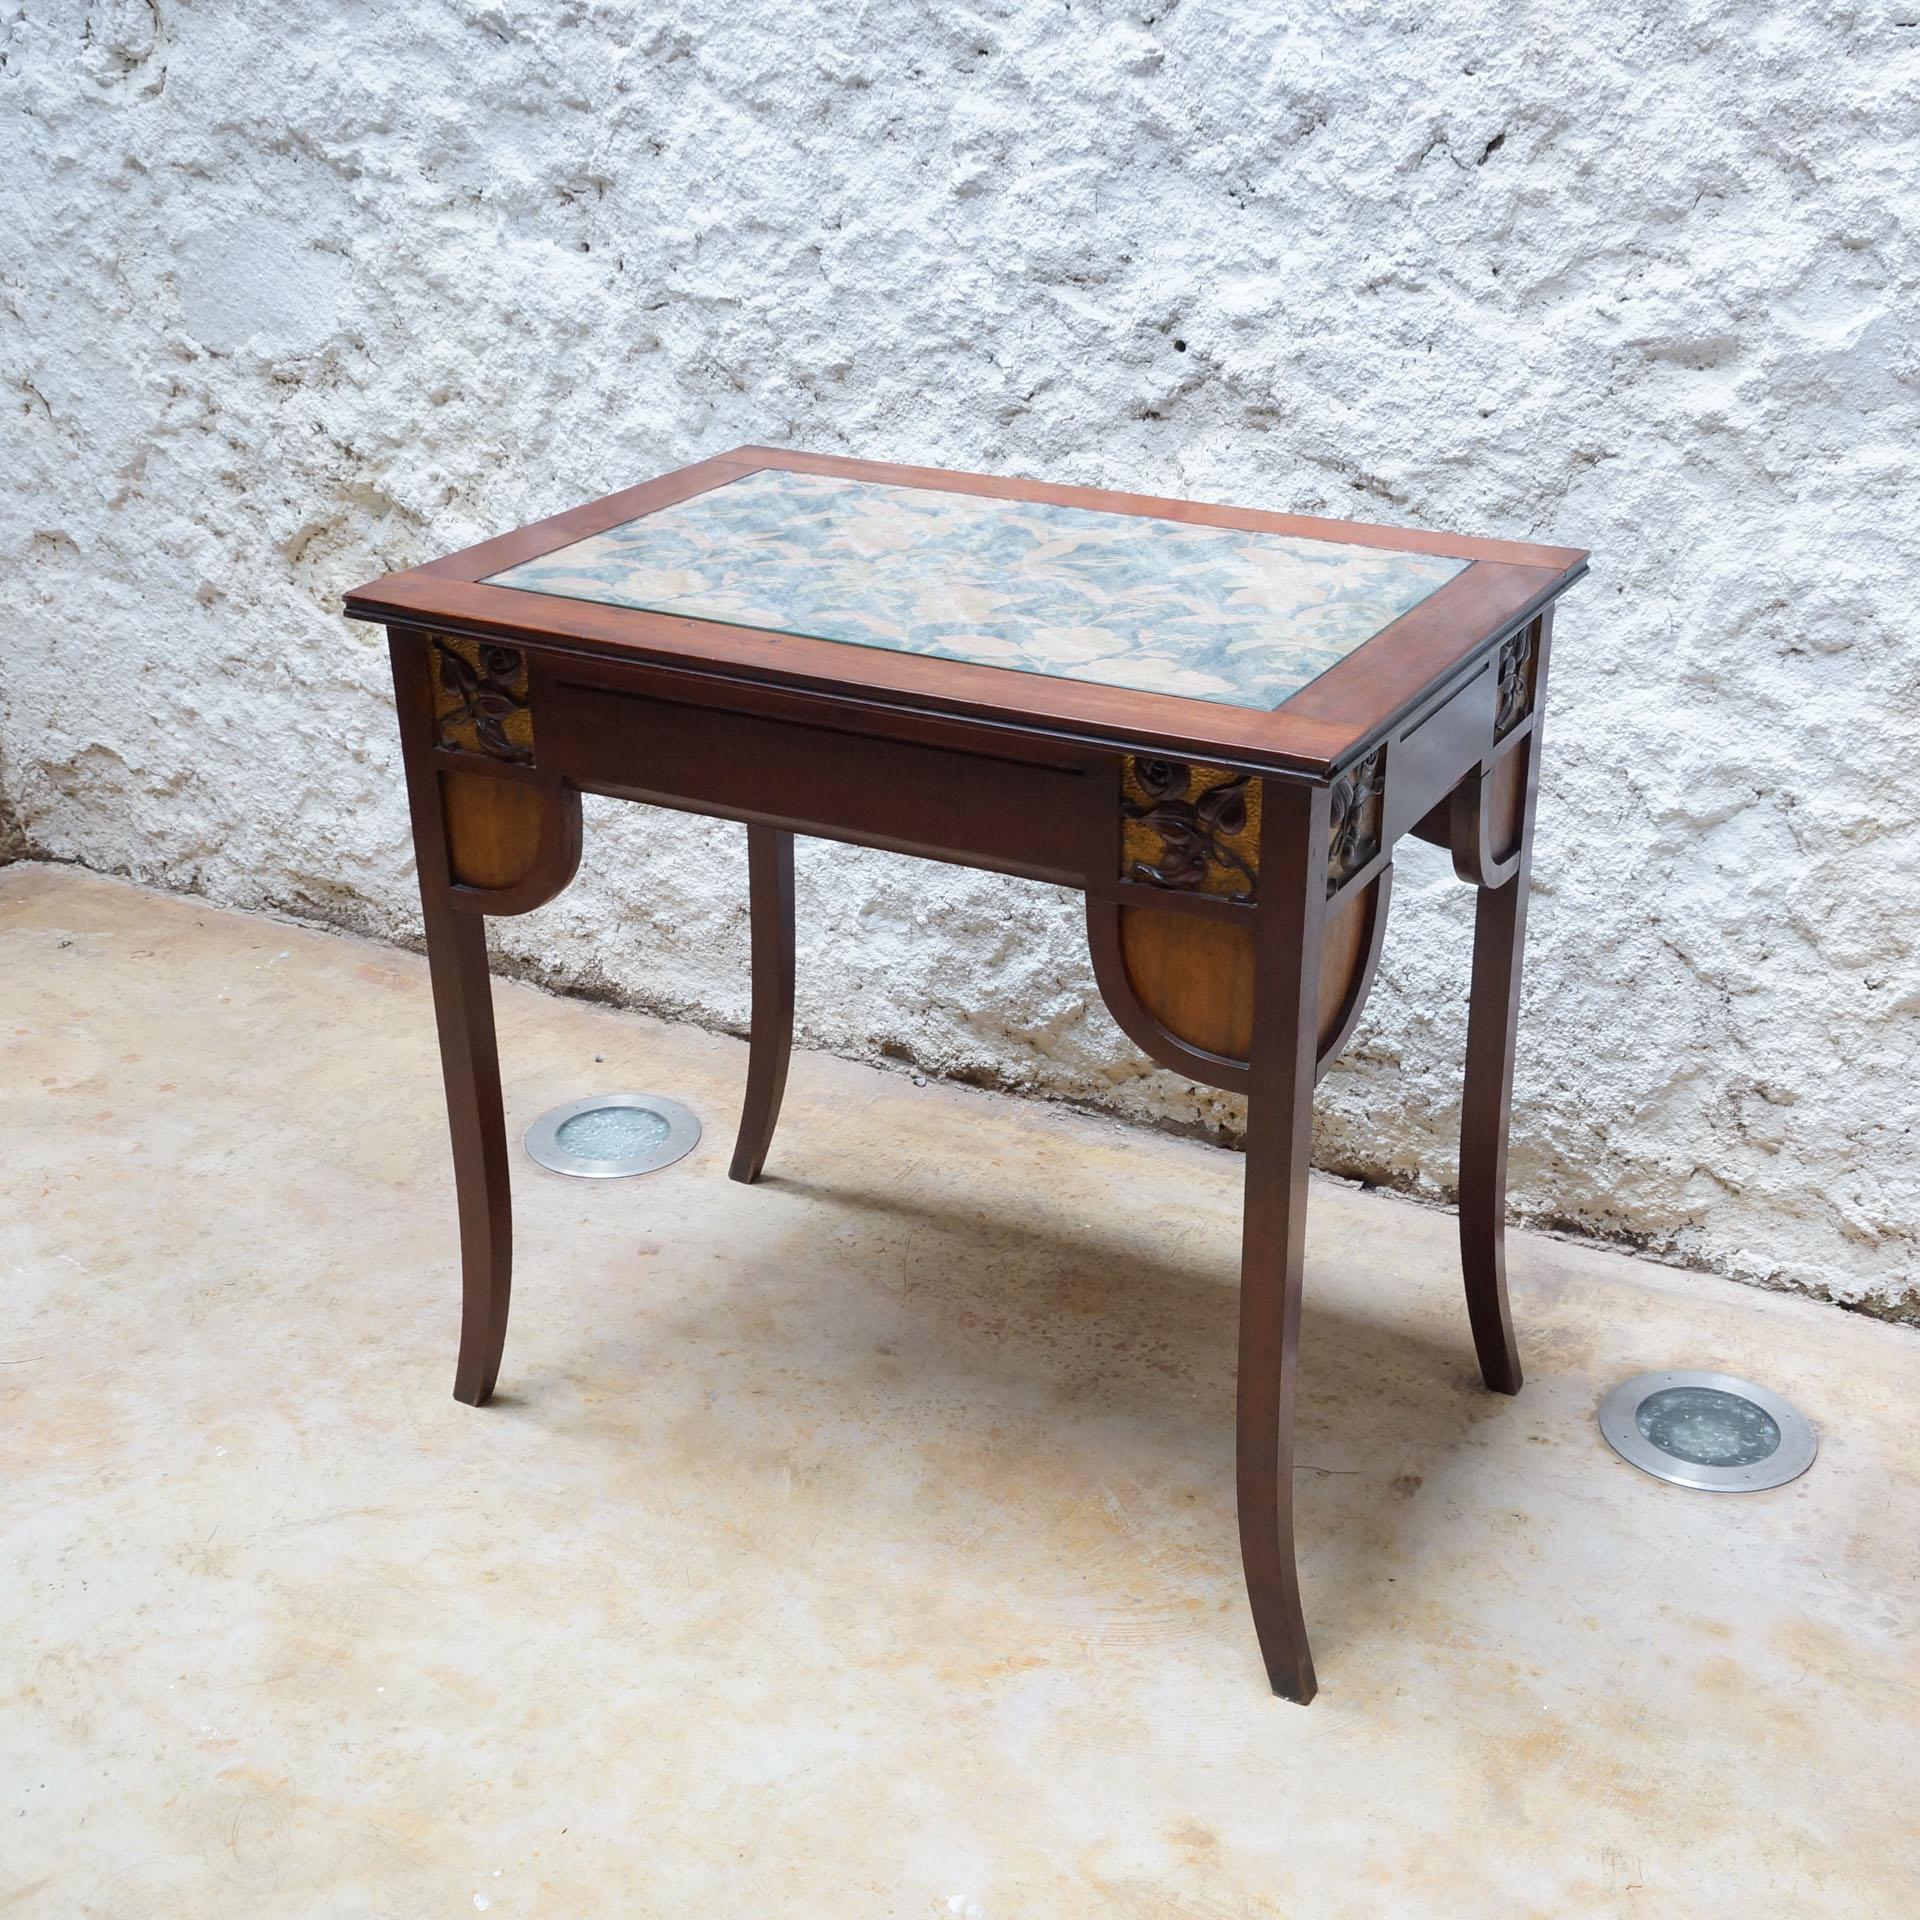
pixel 480 700
pixel 494 828
pixel 1195 829
pixel 1194 974
pixel 1504 795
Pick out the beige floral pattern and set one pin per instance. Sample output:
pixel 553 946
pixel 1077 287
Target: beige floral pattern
pixel 1207 612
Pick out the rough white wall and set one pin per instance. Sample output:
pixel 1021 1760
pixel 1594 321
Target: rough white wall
pixel 295 295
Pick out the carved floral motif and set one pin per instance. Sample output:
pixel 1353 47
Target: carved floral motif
pixel 1194 829
pixel 1353 835
pixel 480 700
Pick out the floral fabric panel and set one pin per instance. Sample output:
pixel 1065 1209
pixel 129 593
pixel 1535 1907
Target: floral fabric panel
pixel 1208 612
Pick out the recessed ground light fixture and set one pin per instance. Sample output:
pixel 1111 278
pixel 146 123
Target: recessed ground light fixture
pixel 1707 1430
pixel 609 1135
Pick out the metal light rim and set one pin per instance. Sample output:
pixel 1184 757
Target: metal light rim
pixel 542 1139
pixel 1788 1461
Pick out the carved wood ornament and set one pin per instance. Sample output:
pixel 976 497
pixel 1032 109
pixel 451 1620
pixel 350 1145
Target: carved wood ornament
pixel 1353 832
pixel 1191 829
pixel 1516 682
pixel 480 700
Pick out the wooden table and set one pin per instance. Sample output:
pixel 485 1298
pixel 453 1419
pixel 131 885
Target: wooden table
pixel 1216 723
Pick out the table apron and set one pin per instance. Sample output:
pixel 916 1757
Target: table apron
pixel 1007 815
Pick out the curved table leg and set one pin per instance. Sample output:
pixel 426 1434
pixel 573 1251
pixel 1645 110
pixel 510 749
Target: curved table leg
pixel 770 1039
pixel 476 1119
pixel 485 840
pixel 1493 1018
pixel 1281 1074
pixel 1499 934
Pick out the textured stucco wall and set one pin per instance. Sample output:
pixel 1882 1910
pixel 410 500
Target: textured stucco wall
pixel 292 296
pixel 13 838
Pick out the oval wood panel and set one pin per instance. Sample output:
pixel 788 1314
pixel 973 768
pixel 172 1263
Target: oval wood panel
pixel 1194 973
pixel 1506 801
pixel 493 828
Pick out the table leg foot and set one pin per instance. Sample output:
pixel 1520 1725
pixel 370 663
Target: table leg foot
pixel 770 1041
pixel 1265 1476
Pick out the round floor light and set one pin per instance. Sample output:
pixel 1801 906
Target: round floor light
pixel 1707 1430
pixel 610 1135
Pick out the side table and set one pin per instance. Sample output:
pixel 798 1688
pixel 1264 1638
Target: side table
pixel 1216 723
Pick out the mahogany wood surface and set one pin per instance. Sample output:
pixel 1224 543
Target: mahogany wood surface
pixel 1493 1020
pixel 494 829
pixel 1249 980
pixel 1107 920
pixel 1323 726
pixel 1281 1073
pixel 488 837
pixel 1194 975
pixel 1507 788
pixel 1014 816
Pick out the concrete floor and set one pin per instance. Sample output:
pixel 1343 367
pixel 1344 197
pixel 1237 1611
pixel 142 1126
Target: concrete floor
pixel 860 1544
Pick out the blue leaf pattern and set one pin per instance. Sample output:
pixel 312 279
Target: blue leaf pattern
pixel 1211 613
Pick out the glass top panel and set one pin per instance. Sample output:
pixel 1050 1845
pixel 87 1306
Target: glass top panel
pixel 1208 612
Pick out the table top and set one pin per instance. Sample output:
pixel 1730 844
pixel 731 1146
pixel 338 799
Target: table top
pixel 1214 613
pixel 1264 639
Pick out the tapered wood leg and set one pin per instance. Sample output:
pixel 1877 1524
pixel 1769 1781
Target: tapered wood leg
pixel 770 1041
pixel 1273 1245
pixel 476 1120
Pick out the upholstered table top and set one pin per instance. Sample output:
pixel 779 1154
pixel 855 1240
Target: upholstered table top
pixel 1123 600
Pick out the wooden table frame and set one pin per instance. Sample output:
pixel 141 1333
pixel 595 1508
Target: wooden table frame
pixel 1236 863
